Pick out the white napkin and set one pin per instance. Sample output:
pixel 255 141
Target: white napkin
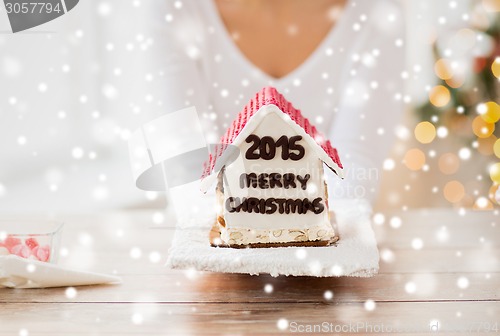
pixel 17 272
pixel 356 253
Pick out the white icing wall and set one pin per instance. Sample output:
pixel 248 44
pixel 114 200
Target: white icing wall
pixel 274 126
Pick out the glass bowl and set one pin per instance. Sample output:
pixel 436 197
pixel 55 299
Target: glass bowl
pixel 37 240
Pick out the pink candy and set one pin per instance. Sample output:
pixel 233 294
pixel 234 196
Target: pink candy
pixel 30 248
pixel 21 250
pixel 42 253
pixel 10 242
pixel 31 243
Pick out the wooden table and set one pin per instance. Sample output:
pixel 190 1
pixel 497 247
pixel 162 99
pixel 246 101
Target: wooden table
pixel 451 282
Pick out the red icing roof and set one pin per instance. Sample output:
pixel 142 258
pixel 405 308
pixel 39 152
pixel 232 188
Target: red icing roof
pixel 267 96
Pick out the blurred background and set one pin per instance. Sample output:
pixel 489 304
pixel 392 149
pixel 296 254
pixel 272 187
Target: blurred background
pixel 73 91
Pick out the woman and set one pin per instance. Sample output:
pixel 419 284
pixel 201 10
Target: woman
pixel 340 62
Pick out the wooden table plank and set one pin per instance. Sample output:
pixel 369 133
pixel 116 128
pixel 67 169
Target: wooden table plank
pixel 472 260
pixel 231 318
pixel 192 287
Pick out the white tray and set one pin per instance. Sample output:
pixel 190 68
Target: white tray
pixel 356 253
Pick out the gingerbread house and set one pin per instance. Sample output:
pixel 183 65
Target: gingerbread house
pixel 269 168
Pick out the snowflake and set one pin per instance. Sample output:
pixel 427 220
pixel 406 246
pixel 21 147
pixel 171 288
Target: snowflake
pixel 410 287
pixel 155 257
pixel 137 318
pixel 21 140
pixel 282 324
pixel 417 244
pixel 268 288
pixel 301 253
pixel 370 305
pixel 31 268
pixel 77 153
pixel 379 218
pixel 389 164
pixel 71 292
pixel 328 295
pixel 464 153
pixel 395 222
pixel 104 9
pixel 42 87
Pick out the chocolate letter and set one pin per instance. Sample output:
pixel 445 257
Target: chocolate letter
pixel 244 205
pixel 289 180
pixel 295 146
pixel 250 153
pixel 281 203
pixel 271 206
pixel 229 206
pixel 253 204
pixel 303 181
pixel 263 182
pixel 267 148
pixel 318 206
pixel 248 180
pixel 307 205
pixel 293 206
pixel 275 180
pixel 262 206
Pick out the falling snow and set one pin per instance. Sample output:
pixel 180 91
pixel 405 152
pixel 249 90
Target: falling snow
pixel 328 295
pixel 370 305
pixel 268 288
pixel 282 324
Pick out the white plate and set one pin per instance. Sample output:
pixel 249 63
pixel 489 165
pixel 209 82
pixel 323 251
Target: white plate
pixel 356 253
pixel 17 272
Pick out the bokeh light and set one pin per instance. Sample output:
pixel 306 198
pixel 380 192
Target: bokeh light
pixel 481 128
pixel 439 96
pixel 495 172
pixel 456 82
pixel 425 132
pixel 482 203
pixel 496 148
pixel 448 163
pixel 443 69
pixel 454 191
pixel 414 159
pixel 491 5
pixel 495 67
pixel 491 112
pixel 492 192
pixel 485 145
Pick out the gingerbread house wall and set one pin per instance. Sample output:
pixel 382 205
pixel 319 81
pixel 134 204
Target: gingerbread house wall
pixel 275 126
